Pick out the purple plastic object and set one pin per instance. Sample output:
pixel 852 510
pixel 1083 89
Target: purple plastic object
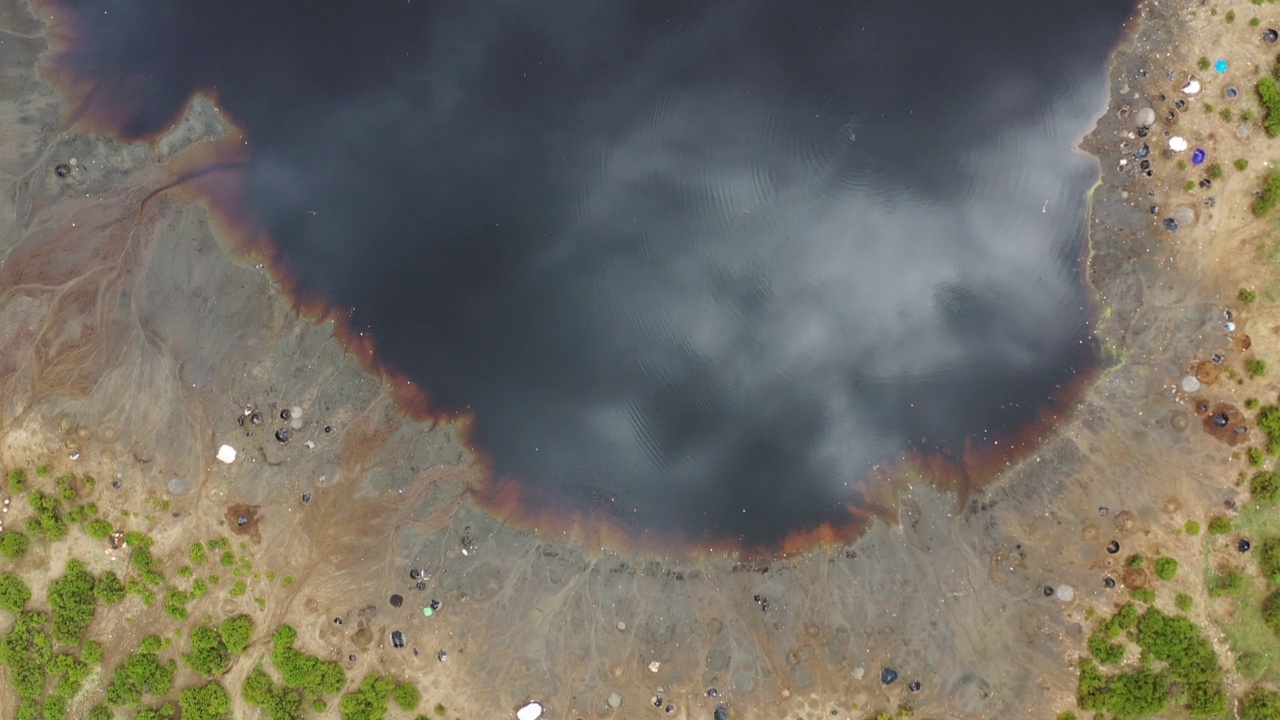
pixel 1197 156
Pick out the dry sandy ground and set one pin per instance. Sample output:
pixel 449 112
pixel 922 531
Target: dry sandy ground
pixel 132 345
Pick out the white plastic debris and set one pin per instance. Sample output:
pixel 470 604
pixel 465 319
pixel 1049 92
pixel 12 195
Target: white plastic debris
pixel 226 454
pixel 532 711
pixel 1192 87
pixel 1190 384
pixel 1177 143
pixel 1231 327
pixel 655 666
pixel 858 672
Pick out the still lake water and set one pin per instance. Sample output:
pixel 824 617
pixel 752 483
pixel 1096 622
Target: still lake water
pixel 697 265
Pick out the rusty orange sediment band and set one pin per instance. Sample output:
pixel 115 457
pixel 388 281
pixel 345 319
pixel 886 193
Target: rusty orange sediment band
pixel 214 173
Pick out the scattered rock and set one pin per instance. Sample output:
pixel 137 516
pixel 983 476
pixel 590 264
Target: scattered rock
pixel 888 676
pixel 721 713
pixel 226 454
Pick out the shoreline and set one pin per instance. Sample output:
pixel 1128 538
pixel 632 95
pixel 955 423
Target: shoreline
pixel 950 597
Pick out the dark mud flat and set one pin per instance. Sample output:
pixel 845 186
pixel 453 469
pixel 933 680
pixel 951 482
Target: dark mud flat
pixel 132 341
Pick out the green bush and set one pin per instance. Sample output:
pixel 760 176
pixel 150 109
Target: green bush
pixel 1269 423
pixel 98 529
pixel 1255 367
pixel 197 554
pixel 175 604
pixel 279 703
pixel 1227 582
pixel 1269 558
pixel 1255 455
pixel 1192 528
pixel 13 544
pixel 14 593
pixel 100 712
pixel 208 654
pixel 301 671
pixel 207 702
pixel 1106 653
pixel 1271 184
pixel 1246 295
pixel 1166 568
pixel 1183 602
pixel 91 653
pixel 1144 595
pixel 238 589
pixel 141 674
pixel 1269 95
pixel 151 644
pixel 1260 704
pixel 17 481
pixel 1219 525
pixel 1134 561
pixel 1214 171
pixel 72 601
pixel 236 633
pixel 108 588
pixel 370 701
pixel 1242 165
pixel 46 521
pixel 406 697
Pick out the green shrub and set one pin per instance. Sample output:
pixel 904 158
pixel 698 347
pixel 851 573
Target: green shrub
pixel 301 671
pixel 1256 456
pixel 1242 165
pixel 1227 582
pixel 1260 704
pixel 197 554
pixel 1269 95
pixel 208 654
pixel 13 544
pixel 151 644
pixel 46 521
pixel 1134 561
pixel 14 594
pixel 175 604
pixel 1255 367
pixel 1251 403
pixel 141 674
pixel 236 633
pixel 1230 16
pixel 207 702
pixel 1219 525
pixel 1269 558
pixel 239 589
pixel 100 712
pixel 1203 63
pixel 91 653
pixel 1246 295
pixel 1166 568
pixel 406 697
pixel 98 529
pixel 1265 487
pixel 1106 653
pixel 108 588
pixel 71 600
pixel 1183 602
pixel 1271 184
pixel 1145 595
pixel 279 703
pixel 227 559
pixel 1214 171
pixel 17 481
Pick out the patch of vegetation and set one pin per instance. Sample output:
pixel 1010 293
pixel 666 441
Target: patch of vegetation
pixel 1203 63
pixel 1166 568
pixel 1256 367
pixel 1270 609
pixel 1230 16
pixel 14 594
pixel 1145 595
pixel 1255 456
pixel 304 672
pixel 141 674
pixel 13 544
pixel 1270 185
pixel 1251 403
pixel 17 481
pixel 175 604
pixel 236 632
pixel 1242 164
pixel 46 521
pixel 1265 487
pixel 206 702
pixel 1219 525
pixel 1192 528
pixel 1260 704
pixel 108 588
pixel 279 703
pixel 1246 295
pixel 1269 558
pixel 1183 602
pixel 98 529
pixel 1134 561
pixel 71 599
pixel 1214 171
pixel 1228 582
pixel 239 589
pixel 209 655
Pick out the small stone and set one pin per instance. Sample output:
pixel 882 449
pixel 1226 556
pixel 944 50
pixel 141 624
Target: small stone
pixel 226 454
pixel 888 676
pixel 614 700
pixel 414 573
pixel 1103 510
pixel 306 497
pixel 62 170
pixel 622 625
pixel 442 656
pixel 1048 591
pixel 721 713
pixel 655 666
pixel 351 657
pixel 284 435
pixel 914 686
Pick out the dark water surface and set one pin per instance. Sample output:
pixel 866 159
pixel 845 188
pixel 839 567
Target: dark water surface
pixel 695 265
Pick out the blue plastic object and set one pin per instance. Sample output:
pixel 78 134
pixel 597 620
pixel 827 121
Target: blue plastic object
pixel 1197 156
pixel 1220 66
